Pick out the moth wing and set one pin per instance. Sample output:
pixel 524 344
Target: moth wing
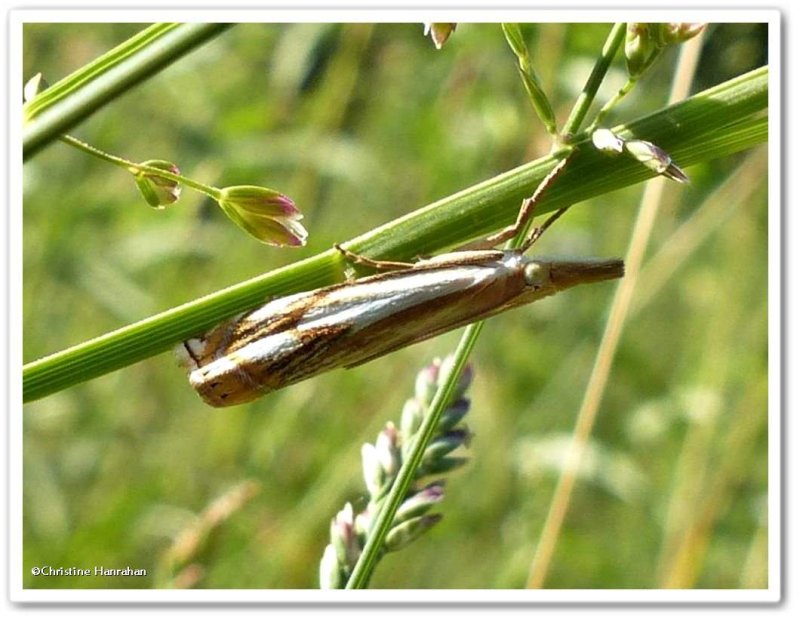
pixel 424 334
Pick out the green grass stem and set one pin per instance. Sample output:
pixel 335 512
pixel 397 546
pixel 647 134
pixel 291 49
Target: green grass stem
pixel 71 100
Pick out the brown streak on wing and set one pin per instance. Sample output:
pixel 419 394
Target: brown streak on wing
pixel 288 319
pixel 238 333
pixel 311 357
pixel 403 323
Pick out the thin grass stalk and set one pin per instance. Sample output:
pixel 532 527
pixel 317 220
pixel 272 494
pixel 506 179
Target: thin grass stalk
pixel 178 566
pixel 405 477
pixel 755 570
pixel 112 75
pixel 549 51
pixel 601 370
pixel 334 97
pixel 92 70
pixel 726 418
pixel 735 192
pixel 685 553
pixel 589 91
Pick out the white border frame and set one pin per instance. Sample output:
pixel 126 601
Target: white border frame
pixel 17 593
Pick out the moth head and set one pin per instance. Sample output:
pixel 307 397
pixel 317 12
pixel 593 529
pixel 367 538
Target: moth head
pixel 537 275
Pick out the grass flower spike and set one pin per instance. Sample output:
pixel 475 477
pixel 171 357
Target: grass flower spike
pixel 644 42
pixel 381 463
pixel 538 98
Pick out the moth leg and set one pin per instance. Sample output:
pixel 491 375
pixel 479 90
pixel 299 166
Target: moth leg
pixel 527 210
pixel 359 259
pixel 538 231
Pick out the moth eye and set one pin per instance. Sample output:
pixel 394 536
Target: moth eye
pixel 535 275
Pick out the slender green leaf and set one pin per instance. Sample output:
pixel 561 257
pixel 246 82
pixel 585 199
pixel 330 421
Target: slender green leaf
pixel 73 99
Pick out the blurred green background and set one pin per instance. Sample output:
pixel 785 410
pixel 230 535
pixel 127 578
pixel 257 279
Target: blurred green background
pixel 360 124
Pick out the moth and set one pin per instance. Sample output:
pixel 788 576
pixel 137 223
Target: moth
pixel 296 337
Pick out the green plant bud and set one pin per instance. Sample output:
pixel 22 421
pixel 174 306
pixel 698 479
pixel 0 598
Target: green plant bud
pixel 269 216
pixel 440 466
pixel 453 415
pixel 330 572
pixel 439 33
pixel 655 158
pixel 410 419
pixel 374 475
pixel 400 536
pixel 158 191
pixel 420 502
pixel 364 522
pixel 464 380
pixel 539 101
pixel 387 450
pixel 444 444
pixel 344 538
pixel 640 47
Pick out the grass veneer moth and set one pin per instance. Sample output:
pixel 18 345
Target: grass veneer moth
pixel 296 337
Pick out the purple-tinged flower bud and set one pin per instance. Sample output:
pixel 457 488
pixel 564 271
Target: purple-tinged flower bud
pixel 439 33
pixel 670 34
pixel 267 215
pixel 342 523
pixel 426 382
pixel 400 536
pixel 158 191
pixel 374 476
pixel 445 444
pixel 464 380
pixel 453 414
pixel 440 466
pixel 387 450
pixel 640 47
pixel 420 502
pixel 411 419
pixel 344 538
